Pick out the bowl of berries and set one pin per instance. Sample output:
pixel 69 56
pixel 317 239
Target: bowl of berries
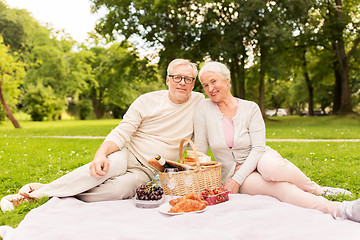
pixel 148 195
pixel 216 195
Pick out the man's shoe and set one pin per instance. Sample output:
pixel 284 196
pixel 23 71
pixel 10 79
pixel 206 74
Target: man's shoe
pixel 30 187
pixel 10 202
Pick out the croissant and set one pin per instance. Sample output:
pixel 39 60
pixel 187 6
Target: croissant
pixel 192 196
pixel 187 205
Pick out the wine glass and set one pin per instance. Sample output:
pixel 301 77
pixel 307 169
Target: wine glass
pixel 170 180
pixel 189 180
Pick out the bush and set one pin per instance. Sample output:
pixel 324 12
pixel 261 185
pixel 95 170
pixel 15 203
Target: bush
pixel 85 108
pixel 40 102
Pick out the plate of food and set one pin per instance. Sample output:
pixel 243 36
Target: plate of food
pixel 190 203
pixel 165 209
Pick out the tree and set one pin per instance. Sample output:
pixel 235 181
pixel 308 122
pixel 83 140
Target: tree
pixel 341 34
pixel 49 57
pixel 121 76
pixel 221 39
pixel 11 71
pixel 41 102
pixel 169 26
pixel 15 25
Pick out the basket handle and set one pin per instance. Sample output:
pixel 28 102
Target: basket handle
pixel 197 162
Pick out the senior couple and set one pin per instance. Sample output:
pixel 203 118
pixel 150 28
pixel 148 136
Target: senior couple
pixel 156 122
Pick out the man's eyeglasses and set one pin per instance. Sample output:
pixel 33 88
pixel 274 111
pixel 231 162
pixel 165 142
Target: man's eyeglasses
pixel 178 79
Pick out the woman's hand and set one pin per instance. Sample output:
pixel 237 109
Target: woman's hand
pixel 232 186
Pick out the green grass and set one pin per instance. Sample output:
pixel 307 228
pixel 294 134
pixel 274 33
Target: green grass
pixel 329 127
pixel 325 127
pixel 24 159
pixel 59 128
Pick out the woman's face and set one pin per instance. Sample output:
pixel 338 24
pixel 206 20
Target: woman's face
pixel 215 86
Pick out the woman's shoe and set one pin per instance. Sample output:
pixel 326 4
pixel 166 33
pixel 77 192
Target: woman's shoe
pixel 350 210
pixel 330 191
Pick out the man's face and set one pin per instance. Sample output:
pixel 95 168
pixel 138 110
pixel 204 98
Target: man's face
pixel 180 92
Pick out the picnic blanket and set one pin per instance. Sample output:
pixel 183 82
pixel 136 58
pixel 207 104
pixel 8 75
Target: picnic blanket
pixel 242 217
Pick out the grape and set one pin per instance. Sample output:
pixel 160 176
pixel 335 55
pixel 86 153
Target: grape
pixel 149 192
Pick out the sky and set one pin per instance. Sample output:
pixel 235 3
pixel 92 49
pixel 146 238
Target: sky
pixel 72 16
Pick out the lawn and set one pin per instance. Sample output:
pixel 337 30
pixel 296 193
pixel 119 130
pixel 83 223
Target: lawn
pixel 322 127
pixel 294 127
pixel 25 158
pixel 60 128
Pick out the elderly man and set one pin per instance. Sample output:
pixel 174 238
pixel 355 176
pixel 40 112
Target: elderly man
pixel 154 124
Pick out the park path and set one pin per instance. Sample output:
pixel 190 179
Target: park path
pixel 268 140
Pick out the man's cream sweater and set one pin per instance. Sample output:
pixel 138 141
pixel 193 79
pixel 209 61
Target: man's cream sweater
pixel 155 125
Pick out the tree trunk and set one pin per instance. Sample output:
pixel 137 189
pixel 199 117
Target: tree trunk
pixel 237 69
pixel 346 105
pixel 343 60
pixel 345 98
pixel 97 105
pixel 7 109
pixel 337 88
pixel 308 85
pixel 242 73
pixel 234 77
pixel 262 81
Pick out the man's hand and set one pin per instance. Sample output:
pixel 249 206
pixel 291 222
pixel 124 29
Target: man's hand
pixel 99 166
pixel 232 186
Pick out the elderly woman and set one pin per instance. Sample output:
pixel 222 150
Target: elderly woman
pixel 235 131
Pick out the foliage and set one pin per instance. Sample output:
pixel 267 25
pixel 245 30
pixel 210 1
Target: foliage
pixel 275 39
pixel 297 96
pixel 11 71
pixel 41 102
pixel 54 65
pixel 16 26
pixel 277 93
pixel 121 76
pixel 338 35
pixel 270 47
pixel 85 108
pixel 111 77
pixel 169 26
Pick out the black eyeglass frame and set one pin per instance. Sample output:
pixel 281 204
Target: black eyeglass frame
pixel 187 79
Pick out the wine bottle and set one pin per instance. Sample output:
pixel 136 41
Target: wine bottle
pixel 163 162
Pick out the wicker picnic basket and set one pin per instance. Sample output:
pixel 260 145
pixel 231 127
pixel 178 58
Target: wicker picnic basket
pixel 204 175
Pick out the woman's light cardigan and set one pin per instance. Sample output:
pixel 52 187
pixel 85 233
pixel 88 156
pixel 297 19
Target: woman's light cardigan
pixel 249 138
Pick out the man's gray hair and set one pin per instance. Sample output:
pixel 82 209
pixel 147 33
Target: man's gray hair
pixel 177 62
pixel 215 67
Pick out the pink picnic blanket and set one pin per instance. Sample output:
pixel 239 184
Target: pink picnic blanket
pixel 242 217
